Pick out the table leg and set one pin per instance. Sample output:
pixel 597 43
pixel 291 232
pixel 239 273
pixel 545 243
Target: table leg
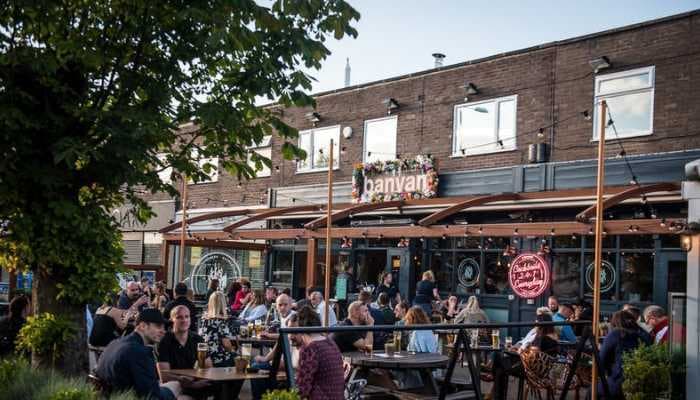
pixel 429 379
pixel 225 391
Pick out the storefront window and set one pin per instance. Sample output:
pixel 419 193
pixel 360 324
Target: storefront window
pixel 467 242
pixel 281 268
pixel 567 242
pixel 608 242
pixel 369 265
pixel 441 265
pixel 468 271
pixel 637 282
pixel 608 276
pixel 670 241
pixel 566 275
pixel 496 273
pixel 637 242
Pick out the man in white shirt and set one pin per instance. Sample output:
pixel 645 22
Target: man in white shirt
pixel 320 306
pixel 530 337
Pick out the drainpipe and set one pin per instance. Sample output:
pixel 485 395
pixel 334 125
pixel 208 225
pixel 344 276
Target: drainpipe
pixel 691 193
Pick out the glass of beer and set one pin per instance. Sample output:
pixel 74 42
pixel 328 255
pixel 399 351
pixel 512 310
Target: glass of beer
pixel 397 340
pixel 495 339
pixel 389 349
pixel 474 338
pixel 202 350
pixel 251 329
pixel 259 328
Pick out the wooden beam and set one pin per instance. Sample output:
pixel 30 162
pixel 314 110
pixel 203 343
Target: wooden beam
pixel 221 243
pixel 272 213
pixel 356 209
pixel 206 217
pixel 635 191
pixel 464 205
pixel 311 252
pixel 563 228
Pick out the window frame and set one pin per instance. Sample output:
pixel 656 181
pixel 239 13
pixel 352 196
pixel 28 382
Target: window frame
pixel 510 145
pixel 201 161
pixel 310 155
pixel 364 136
pixel 264 144
pixel 597 97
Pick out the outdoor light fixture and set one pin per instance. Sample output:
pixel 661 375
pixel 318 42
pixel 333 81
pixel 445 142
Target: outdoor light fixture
pixel 391 104
pixel 599 63
pixel 586 115
pixel 470 89
pixel 686 242
pixel 314 117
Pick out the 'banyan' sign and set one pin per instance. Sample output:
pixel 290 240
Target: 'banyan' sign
pixel 413 178
pixel 529 275
pixel 396 183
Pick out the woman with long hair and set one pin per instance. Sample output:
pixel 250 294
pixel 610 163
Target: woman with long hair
pixel 623 337
pixel 255 308
pixel 426 292
pixel 472 313
pixel 160 298
pixel 546 338
pixel 108 322
pixel 423 341
pixel 215 331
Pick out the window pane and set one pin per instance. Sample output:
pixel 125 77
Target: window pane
pixel 632 82
pixel 475 128
pixel 496 273
pixel 566 275
pixel 380 139
pixel 264 169
pixel 637 277
pixel 322 140
pixel 281 268
pixel 637 242
pixel 506 123
pixel 631 114
pixel 305 144
pixel 608 277
pixel 441 265
pixel 468 272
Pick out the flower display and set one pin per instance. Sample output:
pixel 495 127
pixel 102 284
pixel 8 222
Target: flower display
pixel 422 164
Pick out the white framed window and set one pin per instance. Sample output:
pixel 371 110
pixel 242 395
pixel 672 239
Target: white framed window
pixel 165 174
pixel 630 98
pixel 209 165
pixel 263 148
pixel 316 142
pixel 380 139
pixel 485 126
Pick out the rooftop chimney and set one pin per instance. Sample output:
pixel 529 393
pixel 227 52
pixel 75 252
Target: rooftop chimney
pixel 347 72
pixel 439 58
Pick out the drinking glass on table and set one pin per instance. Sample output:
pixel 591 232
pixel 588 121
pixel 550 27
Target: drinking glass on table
pixel 495 338
pixel 202 350
pixel 474 338
pixel 397 340
pixel 509 341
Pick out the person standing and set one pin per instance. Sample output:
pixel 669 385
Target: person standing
pixel 426 292
pixel 12 323
pixel 181 300
pixel 129 363
pixel 386 285
pixel 656 318
pixel 320 374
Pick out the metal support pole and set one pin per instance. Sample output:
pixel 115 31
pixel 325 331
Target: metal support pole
pixel 691 192
pixel 183 228
pixel 329 243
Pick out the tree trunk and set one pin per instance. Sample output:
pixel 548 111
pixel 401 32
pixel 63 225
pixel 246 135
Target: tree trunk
pixel 74 358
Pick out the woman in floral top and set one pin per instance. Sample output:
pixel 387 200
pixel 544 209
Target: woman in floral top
pixel 214 328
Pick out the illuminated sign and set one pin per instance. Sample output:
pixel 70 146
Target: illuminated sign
pixel 529 275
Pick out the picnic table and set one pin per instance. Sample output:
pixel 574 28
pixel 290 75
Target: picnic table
pixel 424 363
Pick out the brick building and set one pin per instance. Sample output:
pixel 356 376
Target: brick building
pixel 513 124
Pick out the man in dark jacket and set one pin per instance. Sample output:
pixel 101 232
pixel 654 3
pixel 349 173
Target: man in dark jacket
pixel 181 300
pixel 129 363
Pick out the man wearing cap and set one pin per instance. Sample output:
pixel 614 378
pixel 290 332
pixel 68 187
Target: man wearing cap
pixel 181 300
pixel 565 312
pixel 129 363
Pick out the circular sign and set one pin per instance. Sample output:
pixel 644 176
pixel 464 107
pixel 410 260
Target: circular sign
pixel 607 276
pixel 214 265
pixel 468 272
pixel 529 275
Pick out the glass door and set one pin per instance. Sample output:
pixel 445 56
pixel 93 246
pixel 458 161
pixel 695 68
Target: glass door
pixel 397 263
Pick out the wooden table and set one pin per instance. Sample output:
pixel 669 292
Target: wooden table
pixel 424 363
pixel 223 376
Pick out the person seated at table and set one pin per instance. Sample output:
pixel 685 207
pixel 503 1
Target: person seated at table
pixel 215 331
pixel 181 299
pixel 306 301
pixel 656 318
pixel 385 308
pixel 242 296
pixel 623 337
pixel 637 313
pixel 386 285
pixel 450 308
pixel 423 341
pixel 400 311
pixel 565 313
pixel 546 339
pixel 472 313
pixel 379 337
pixel 319 306
pixel 132 297
pixel 160 298
pixel 255 309
pixel 320 374
pixel 108 323
pixel 178 350
pixel 213 287
pixel 530 336
pixel 129 363
pixel 355 341
pixel 283 307
pixel 426 292
pixel 232 289
pixel 582 312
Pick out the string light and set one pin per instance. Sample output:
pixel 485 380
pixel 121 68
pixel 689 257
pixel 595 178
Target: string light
pixel 540 133
pixel 551 233
pixel 515 231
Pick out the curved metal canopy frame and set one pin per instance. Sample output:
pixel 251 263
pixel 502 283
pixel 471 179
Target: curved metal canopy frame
pixel 205 217
pixel 588 213
pixel 464 205
pixel 344 213
pixel 272 213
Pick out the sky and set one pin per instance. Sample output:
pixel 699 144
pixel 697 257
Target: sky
pixel 397 37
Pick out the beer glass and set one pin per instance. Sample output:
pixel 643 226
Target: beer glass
pixel 474 338
pixel 389 349
pixel 202 350
pixel 397 340
pixel 251 329
pixel 509 341
pixel 495 339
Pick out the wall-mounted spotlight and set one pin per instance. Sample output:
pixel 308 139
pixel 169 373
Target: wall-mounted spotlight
pixel 313 117
pixel 599 63
pixel 391 104
pixel 470 89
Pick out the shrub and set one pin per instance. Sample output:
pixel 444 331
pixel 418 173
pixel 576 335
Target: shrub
pixel 45 334
pixel 647 372
pixel 281 395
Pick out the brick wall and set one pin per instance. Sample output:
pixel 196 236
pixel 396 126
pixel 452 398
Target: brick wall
pixel 551 81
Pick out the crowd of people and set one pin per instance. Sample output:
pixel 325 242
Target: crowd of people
pixel 146 332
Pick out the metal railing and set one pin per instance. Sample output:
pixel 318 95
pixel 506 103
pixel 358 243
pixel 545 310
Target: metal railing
pixel 461 346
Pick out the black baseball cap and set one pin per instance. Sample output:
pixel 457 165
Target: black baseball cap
pixel 151 315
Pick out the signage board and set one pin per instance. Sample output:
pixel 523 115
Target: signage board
pixel 405 179
pixel 607 276
pixel 529 275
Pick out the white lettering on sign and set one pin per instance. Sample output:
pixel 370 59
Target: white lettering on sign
pixel 396 183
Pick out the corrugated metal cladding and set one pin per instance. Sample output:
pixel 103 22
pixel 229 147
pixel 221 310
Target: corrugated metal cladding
pixel 662 167
pixel 133 251
pixel 151 254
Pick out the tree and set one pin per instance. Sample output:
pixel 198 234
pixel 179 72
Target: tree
pixel 91 94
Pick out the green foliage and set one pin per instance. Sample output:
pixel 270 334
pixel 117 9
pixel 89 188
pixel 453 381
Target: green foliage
pixel 647 372
pixel 92 94
pixel 19 380
pixel 45 334
pixel 281 395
